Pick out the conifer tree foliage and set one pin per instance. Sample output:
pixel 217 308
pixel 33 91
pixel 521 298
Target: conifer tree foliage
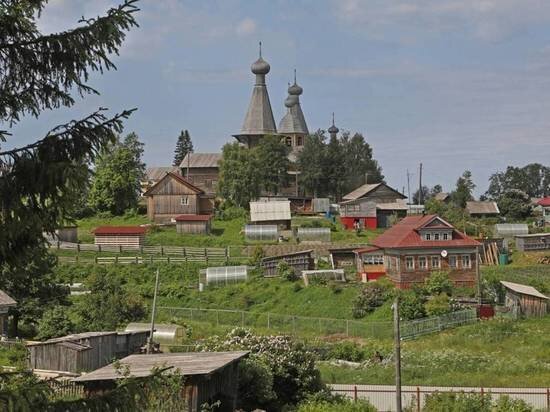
pixel 38 181
pixel 464 190
pixel 116 184
pixel 310 164
pixel 184 146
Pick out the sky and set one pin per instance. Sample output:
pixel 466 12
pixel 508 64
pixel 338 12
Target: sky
pixel 451 84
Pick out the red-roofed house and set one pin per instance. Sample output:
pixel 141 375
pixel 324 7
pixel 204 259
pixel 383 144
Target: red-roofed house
pixel 200 224
pixel 545 204
pixel 127 236
pixel 173 195
pixel 418 245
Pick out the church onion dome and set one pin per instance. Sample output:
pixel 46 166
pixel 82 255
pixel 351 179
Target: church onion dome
pixel 291 100
pixel 333 129
pixel 295 90
pixel 260 66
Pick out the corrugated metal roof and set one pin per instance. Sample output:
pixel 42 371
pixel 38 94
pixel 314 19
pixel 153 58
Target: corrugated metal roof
pixel 6 300
pixel 193 218
pixel 199 160
pixel 268 211
pixel 523 289
pixel 361 191
pixel 511 229
pixel 482 208
pixel 191 363
pixel 154 174
pixel 544 202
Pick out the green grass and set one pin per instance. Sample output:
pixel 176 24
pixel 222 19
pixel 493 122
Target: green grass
pixel 490 354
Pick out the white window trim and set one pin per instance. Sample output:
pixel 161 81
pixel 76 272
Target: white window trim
pixel 469 266
pixel 428 236
pixel 184 201
pixel 456 261
pixel 425 260
pixel 406 262
pixel 436 236
pixel 438 266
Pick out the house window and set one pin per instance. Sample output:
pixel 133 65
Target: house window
pixel 299 141
pixel 288 141
pixel 357 208
pixel 422 262
pixel 445 236
pixel 185 201
pixel 452 262
pixel 373 259
pixel 436 236
pixel 436 262
pixel 409 263
pixel 428 236
pixel 466 264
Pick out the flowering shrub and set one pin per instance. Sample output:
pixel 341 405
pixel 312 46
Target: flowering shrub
pixel 291 366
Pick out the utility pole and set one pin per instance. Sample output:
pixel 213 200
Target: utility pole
pixel 409 187
pixel 420 186
pixel 188 163
pixel 153 313
pixel 478 276
pixel 397 354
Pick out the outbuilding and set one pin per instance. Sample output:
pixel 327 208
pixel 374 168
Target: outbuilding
pixel 533 242
pixel 544 203
pixel 206 376
pixel 298 261
pixel 523 300
pixel 271 213
pixel 6 302
pixel 196 224
pixel 482 209
pixel 126 236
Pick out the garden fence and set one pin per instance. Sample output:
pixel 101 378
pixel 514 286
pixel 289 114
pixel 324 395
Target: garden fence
pixel 415 328
pixel 413 397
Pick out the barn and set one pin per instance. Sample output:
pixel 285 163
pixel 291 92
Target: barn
pixel 84 352
pixel 173 195
pixel 202 170
pixel 194 224
pixel 523 300
pixel 207 376
pixel 127 236
pixel 6 302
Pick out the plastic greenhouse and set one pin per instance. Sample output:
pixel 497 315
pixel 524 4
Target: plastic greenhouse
pixel 223 275
pixel 321 204
pixel 319 234
pixel 163 331
pixel 509 230
pixel 261 232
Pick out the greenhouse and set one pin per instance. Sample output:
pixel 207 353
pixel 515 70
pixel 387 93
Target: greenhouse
pixel 321 204
pixel 509 230
pixel 224 275
pixel 337 275
pixel 319 234
pixel 261 232
pixel 164 332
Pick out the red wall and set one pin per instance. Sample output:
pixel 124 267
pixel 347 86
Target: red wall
pixel 368 222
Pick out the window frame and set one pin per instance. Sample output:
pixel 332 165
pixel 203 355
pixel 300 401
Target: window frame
pixel 428 236
pixel 436 236
pixel 469 265
pixel 453 257
pixel 184 200
pixel 438 259
pixel 425 260
pixel 445 236
pixel 407 259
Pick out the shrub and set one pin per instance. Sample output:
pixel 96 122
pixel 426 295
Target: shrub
pixel 348 351
pixel 411 305
pixel 297 287
pixel 285 271
pixel 54 323
pixel 232 212
pixel 457 402
pixel 373 295
pixel 437 283
pixel 341 405
pixel 438 305
pixel 507 404
pixel 257 255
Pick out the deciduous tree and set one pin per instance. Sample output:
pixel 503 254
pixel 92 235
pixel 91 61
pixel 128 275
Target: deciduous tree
pixel 272 157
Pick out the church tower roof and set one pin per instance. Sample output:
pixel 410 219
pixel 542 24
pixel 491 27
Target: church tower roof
pixel 259 118
pixel 293 121
pixel 333 130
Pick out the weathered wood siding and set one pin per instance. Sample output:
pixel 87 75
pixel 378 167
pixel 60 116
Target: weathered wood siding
pixel 359 208
pixel 205 178
pixel 201 227
pixel 525 305
pixel 533 242
pixel 132 241
pixel 165 201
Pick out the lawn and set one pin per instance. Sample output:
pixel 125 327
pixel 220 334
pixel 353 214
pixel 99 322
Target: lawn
pixel 489 353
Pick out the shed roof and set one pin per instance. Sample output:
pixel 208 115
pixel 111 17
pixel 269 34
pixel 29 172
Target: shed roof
pixel 482 208
pixel 511 229
pixel 523 289
pixel 368 188
pixel 392 206
pixel 177 177
pixel 442 196
pixel 75 337
pixel 188 364
pixel 301 252
pixel 545 201
pixel 119 230
pixel 154 174
pixel 201 160
pixel 193 218
pixel 405 234
pixel 6 300
pixel 268 211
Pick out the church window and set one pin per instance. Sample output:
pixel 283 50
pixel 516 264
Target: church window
pixel 288 141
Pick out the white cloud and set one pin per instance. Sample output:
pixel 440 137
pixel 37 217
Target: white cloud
pixel 488 20
pixel 246 27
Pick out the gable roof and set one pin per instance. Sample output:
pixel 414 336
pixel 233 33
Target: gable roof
pixel 152 174
pixel 523 289
pixel 362 191
pixel 188 364
pixel 267 211
pixel 119 230
pixel 77 337
pixel 442 196
pixel 201 160
pixel 482 208
pixel 405 234
pixel 6 300
pixel 176 177
pixel 545 201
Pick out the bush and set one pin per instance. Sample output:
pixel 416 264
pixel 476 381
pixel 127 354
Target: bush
pixel 348 351
pixel 232 212
pixel 257 255
pixel 373 295
pixel 285 271
pixel 457 402
pixel 411 305
pixel 341 405
pixel 438 305
pixel 437 283
pixel 54 323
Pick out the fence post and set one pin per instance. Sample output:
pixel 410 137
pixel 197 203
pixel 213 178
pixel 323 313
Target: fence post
pixel 548 398
pixel 354 393
pixel 268 320
pixel 185 254
pixel 206 256
pixel 119 248
pixel 347 328
pixel 99 248
pixel 95 258
pixel 78 247
pixel 162 250
pixel 242 319
pixel 227 255
pixel 116 259
pixel 418 399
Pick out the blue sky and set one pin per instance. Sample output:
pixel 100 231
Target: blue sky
pixel 454 84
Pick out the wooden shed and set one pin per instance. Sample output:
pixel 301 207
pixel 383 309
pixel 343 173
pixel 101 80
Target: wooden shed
pixel 6 302
pixel 533 242
pixel 207 376
pixel 196 224
pixel 272 212
pixel 342 258
pixel 84 352
pixel 298 261
pixel 127 236
pixel 523 300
